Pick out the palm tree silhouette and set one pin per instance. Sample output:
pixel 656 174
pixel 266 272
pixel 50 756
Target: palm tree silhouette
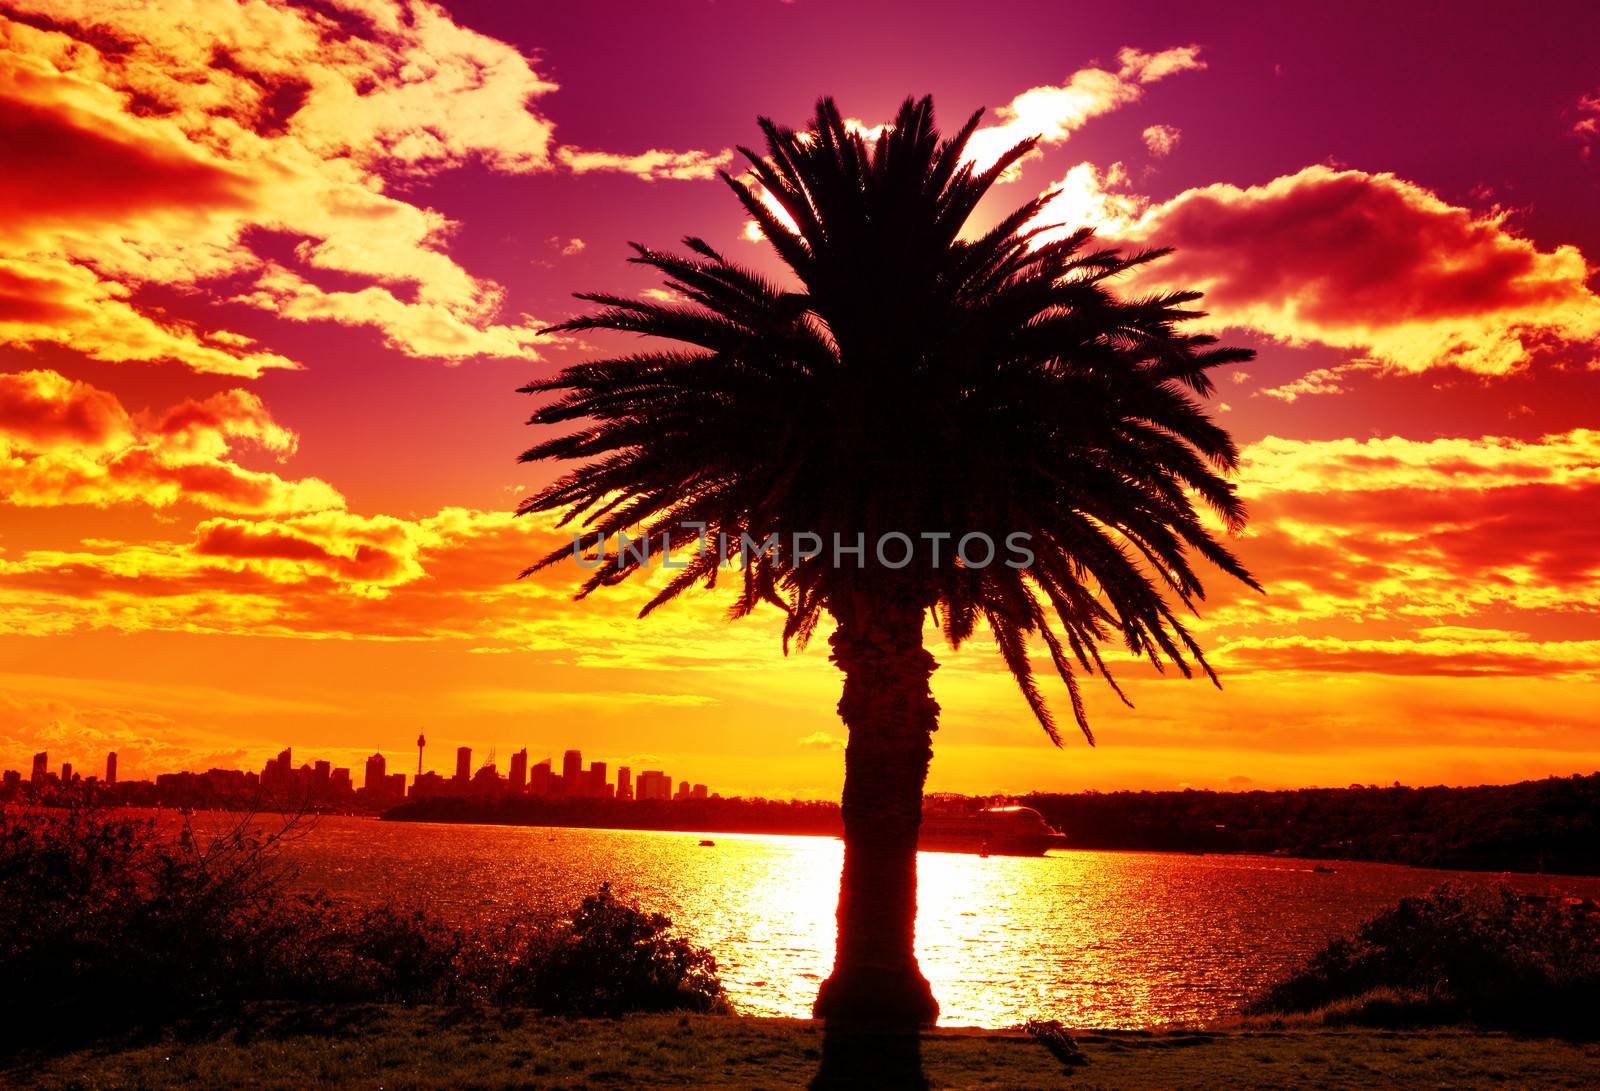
pixel 909 380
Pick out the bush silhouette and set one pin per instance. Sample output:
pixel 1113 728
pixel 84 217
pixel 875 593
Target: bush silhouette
pixel 610 958
pixel 107 925
pixel 1486 955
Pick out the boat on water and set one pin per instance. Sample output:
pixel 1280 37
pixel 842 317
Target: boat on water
pixel 993 831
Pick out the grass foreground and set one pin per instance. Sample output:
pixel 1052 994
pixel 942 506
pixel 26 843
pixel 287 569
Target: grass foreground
pixel 387 1046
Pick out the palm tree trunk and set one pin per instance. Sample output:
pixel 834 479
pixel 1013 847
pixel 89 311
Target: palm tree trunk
pixel 891 716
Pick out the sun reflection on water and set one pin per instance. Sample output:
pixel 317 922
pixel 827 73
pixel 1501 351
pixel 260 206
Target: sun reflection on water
pixel 1092 939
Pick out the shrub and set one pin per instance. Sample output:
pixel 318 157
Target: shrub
pixel 1486 955
pixel 101 921
pixel 105 924
pixel 608 958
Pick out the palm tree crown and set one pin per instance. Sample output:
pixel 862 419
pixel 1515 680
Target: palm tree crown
pixel 913 380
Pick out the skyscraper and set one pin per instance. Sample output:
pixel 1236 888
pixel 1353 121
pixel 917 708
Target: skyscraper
pixel 377 771
pixel 111 767
pixel 539 779
pixel 463 764
pixel 572 771
pixel 277 774
pixel 518 775
pixel 624 782
pixel 41 766
pixel 66 772
pixel 597 778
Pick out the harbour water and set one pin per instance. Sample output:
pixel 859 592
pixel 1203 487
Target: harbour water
pixel 1090 938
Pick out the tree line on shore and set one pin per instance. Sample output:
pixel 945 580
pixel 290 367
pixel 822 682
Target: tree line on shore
pixel 1536 825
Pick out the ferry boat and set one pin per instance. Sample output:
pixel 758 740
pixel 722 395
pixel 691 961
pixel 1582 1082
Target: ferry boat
pixel 993 831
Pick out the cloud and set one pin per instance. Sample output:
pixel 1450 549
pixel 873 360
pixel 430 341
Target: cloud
pixel 445 580
pixel 1278 465
pixel 651 165
pixel 1437 656
pixel 1587 127
pixel 821 740
pixel 165 151
pixel 66 442
pixel 1161 139
pixel 54 300
pixel 418 327
pixel 364 554
pixel 1084 197
pixel 1394 533
pixel 1054 112
pixel 153 727
pixel 1360 261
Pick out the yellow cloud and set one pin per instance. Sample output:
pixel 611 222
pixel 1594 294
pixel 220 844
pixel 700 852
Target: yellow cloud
pixel 65 442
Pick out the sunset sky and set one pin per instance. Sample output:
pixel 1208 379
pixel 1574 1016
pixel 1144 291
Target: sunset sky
pixel 271 273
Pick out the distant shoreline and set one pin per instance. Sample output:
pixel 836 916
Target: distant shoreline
pixel 1243 853
pixel 1547 826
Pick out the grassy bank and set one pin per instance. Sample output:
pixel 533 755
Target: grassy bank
pixel 298 1046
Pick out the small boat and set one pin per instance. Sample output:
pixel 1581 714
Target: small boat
pixel 708 844
pixel 993 831
pixel 1323 869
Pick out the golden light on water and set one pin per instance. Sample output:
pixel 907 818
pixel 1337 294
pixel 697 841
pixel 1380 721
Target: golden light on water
pixel 1090 938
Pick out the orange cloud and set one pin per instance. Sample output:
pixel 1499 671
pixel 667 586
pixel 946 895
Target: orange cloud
pixel 445 578
pixel 1367 262
pixel 55 300
pixel 1517 657
pixel 65 442
pixel 1389 534
pixel 300 574
pixel 1275 465
pixel 158 151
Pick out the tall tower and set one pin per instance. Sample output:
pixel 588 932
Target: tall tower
pixel 422 740
pixel 111 767
pixel 463 763
pixel 572 771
